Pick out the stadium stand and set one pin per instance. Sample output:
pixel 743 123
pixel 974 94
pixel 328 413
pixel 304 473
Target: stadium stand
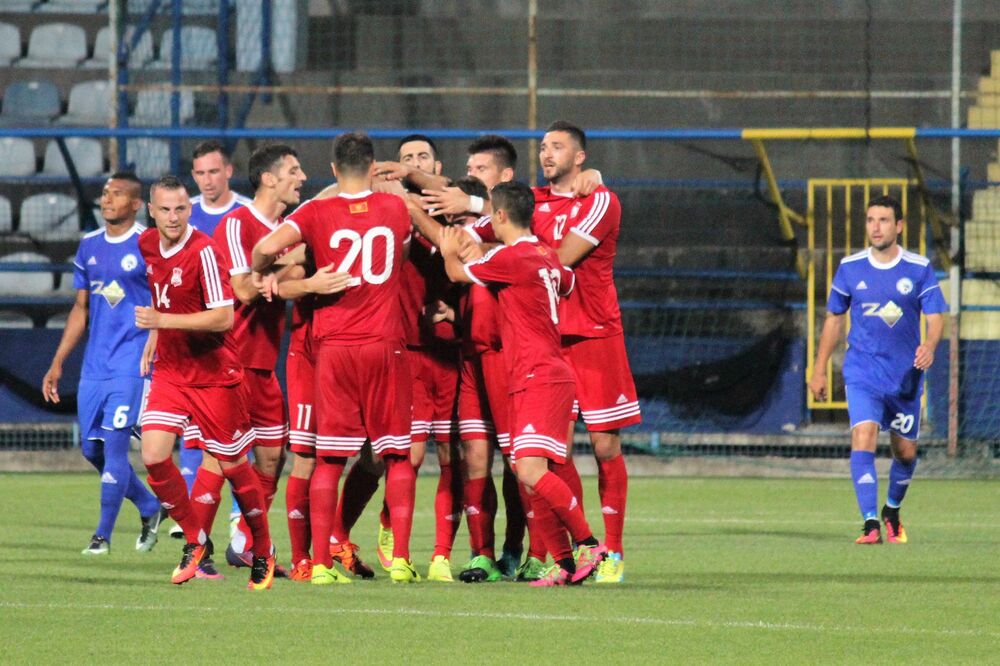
pixel 87 156
pixel 17 157
pixel 6 216
pixel 11 319
pixel 151 157
pixel 25 284
pixel 198 48
pixel 50 216
pixel 10 44
pixel 57 45
pixel 152 108
pixel 141 54
pixel 89 105
pixel 74 6
pixel 29 104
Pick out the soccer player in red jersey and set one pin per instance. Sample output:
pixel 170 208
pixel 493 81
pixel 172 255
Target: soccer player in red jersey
pixel 197 381
pixel 362 386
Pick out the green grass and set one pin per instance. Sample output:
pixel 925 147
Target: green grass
pixel 719 570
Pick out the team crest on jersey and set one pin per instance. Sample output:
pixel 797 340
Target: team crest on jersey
pixel 904 286
pixel 574 210
pixel 358 208
pixel 890 313
pixel 129 262
pixel 175 277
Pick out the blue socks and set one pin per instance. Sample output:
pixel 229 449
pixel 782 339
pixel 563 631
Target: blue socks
pixel 900 474
pixel 118 480
pixel 865 483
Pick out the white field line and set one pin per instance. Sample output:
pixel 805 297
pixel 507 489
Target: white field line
pixel 959 524
pixel 527 617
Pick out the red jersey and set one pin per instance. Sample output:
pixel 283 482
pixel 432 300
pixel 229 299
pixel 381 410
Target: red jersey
pixel 479 307
pixel 186 279
pixel 530 280
pixel 257 327
pixel 423 284
pixel 300 340
pixel 366 235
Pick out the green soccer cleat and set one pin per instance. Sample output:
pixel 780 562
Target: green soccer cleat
pixel 480 569
pixel 322 575
pixel 611 570
pixel 402 571
pixel 532 569
pixel 98 546
pixel 383 547
pixel 440 570
pixel 148 536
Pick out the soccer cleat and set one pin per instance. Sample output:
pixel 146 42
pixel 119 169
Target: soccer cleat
pixel 588 558
pixel 611 570
pixel 188 567
pixel 532 569
pixel 347 555
pixel 302 571
pixel 402 571
pixel 383 547
pixel 281 572
pixel 509 562
pixel 234 524
pixel 440 570
pixel 480 569
pixel 150 526
pixel 321 575
pixel 894 532
pixel 238 560
pixel 870 533
pixel 262 572
pixel 206 568
pixel 176 532
pixel 98 546
pixel 553 576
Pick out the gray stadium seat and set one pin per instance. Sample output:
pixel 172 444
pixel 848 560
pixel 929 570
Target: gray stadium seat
pixel 50 216
pixel 152 108
pixel 74 6
pixel 17 156
pixel 150 156
pixel 55 45
pixel 29 104
pixel 87 156
pixel 18 283
pixel 141 55
pixel 26 6
pixel 57 320
pixel 10 44
pixel 6 216
pixel 89 105
pixel 189 7
pixel 9 319
pixel 64 281
pixel 199 49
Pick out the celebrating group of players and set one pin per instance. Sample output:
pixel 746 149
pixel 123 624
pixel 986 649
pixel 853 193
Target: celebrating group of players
pixel 479 314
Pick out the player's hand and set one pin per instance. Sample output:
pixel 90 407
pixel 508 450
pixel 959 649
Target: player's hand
pixel 469 250
pixel 266 284
pixel 449 201
pixel 451 238
pixel 147 317
pixel 50 383
pixel 148 353
pixel 326 281
pixel 586 182
pixel 391 170
pixel 439 312
pixel 924 357
pixel 817 385
pixel 388 187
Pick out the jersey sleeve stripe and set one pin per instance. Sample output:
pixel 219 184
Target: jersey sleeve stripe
pixel 473 277
pixel 236 253
pixel 293 223
pixel 933 286
pixel 839 291
pixel 472 232
pixel 212 281
pixel 585 236
pixel 601 202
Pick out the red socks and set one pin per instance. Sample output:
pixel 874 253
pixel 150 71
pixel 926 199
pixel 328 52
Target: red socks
pixel 536 540
pixel 612 485
pixel 323 505
pixel 268 486
pixel 248 495
pixel 168 485
pixel 564 504
pixel 297 505
pixel 206 495
pixel 567 472
pixel 550 529
pixel 447 509
pixel 400 487
pixel 359 486
pixel 480 510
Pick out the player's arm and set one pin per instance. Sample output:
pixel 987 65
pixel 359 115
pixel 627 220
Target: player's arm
pixel 324 281
pixel 76 326
pixel 398 171
pixel 244 288
pixel 214 320
pixel 925 352
pixel 586 182
pixel 425 225
pixel 451 240
pixel 267 249
pixel 148 354
pixel 573 249
pixel 452 201
pixel 833 328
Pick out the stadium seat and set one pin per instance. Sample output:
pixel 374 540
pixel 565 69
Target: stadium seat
pixel 6 216
pixel 152 108
pixel 89 105
pixel 29 104
pixel 151 157
pixel 17 156
pixel 199 49
pixel 9 319
pixel 189 7
pixel 57 320
pixel 64 281
pixel 19 283
pixel 50 216
pixel 10 44
pixel 87 156
pixel 62 45
pixel 74 6
pixel 24 6
pixel 141 55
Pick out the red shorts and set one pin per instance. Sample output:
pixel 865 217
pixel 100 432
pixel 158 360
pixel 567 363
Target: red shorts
pixel 267 407
pixel 496 379
pixel 299 373
pixel 435 373
pixel 604 386
pixel 362 392
pixel 211 418
pixel 483 399
pixel 540 415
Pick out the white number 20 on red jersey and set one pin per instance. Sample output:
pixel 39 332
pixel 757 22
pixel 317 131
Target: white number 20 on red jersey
pixel 364 246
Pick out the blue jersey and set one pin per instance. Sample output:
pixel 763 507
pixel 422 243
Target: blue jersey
pixel 205 219
pixel 885 301
pixel 112 270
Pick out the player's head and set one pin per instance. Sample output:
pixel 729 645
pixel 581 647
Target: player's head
pixel 474 188
pixel 211 170
pixel 353 156
pixel 169 208
pixel 121 198
pixel 563 151
pixel 883 222
pixel 419 152
pixel 513 207
pixel 275 172
pixel 492 159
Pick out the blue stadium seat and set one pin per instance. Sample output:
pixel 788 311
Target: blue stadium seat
pixel 152 108
pixel 19 283
pixel 89 105
pixel 6 216
pixel 10 44
pixel 87 156
pixel 62 45
pixel 141 55
pixel 17 157
pixel 199 49
pixel 29 103
pixel 151 157
pixel 50 216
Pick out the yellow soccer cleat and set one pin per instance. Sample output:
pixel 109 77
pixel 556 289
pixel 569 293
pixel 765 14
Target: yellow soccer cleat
pixel 322 575
pixel 440 570
pixel 383 547
pixel 611 570
pixel 403 572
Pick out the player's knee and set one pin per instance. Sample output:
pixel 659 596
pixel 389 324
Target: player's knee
pixel 93 452
pixel 607 445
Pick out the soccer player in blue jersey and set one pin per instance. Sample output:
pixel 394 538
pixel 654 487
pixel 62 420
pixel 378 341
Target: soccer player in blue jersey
pixel 885 288
pixel 110 278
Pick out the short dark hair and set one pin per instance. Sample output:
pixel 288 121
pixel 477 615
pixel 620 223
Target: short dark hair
pixel 888 202
pixel 265 159
pixel 517 200
pixel 472 186
pixel 353 153
pixel 167 182
pixel 563 126
pixel 209 147
pixel 128 177
pixel 500 147
pixel 417 137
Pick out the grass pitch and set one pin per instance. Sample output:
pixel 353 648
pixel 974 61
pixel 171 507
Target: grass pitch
pixel 719 570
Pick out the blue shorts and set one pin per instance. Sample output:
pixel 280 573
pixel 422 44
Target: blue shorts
pixel 109 404
pixel 890 412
